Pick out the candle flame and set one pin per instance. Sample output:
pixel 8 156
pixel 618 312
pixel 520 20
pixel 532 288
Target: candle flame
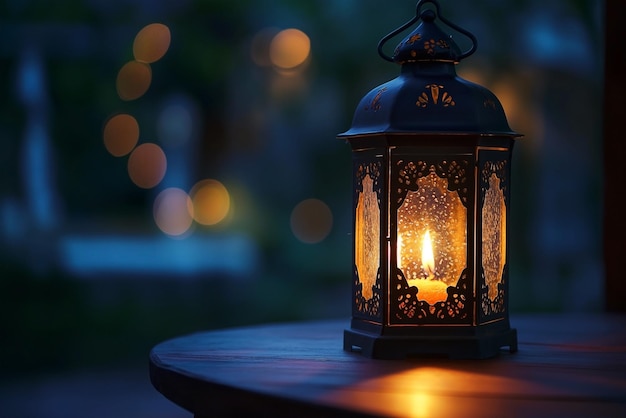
pixel 428 259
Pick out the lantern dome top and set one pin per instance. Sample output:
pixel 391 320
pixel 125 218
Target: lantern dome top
pixel 428 96
pixel 427 43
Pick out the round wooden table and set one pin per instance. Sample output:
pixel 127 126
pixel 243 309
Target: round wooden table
pixel 566 366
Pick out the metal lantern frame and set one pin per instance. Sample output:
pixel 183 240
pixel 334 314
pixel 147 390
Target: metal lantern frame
pixel 430 148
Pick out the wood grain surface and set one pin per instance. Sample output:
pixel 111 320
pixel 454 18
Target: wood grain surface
pixel 567 365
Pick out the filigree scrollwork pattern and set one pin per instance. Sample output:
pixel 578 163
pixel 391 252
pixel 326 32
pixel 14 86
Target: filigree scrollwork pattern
pixel 368 307
pixel 457 303
pixel 407 308
pixel 373 169
pixel 493 281
pixel 496 306
pixel 499 168
pixel 456 172
pixel 367 283
pixel 428 47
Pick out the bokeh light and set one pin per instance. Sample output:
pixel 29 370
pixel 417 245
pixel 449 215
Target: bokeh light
pixel 173 211
pixel 151 43
pixel 133 80
pixel 211 202
pixel 311 221
pixel 289 49
pixel 121 133
pixel 147 165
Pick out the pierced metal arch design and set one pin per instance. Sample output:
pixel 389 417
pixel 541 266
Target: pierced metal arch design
pixel 499 168
pixel 456 172
pixel 494 305
pixel 368 307
pixel 373 169
pixel 497 306
pixel 407 308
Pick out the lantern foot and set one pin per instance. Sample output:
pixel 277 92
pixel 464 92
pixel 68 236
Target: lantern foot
pixel 454 347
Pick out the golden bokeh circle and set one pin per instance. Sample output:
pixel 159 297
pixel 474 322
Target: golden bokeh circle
pixel 151 43
pixel 289 48
pixel 133 80
pixel 120 134
pixel 211 202
pixel 147 165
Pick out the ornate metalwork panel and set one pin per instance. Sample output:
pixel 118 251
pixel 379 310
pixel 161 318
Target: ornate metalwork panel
pixel 493 211
pixel 429 206
pixel 367 281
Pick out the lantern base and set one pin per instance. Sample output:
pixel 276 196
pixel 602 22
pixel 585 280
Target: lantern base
pixel 454 347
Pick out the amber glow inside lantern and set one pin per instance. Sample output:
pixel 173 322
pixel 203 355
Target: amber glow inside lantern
pixel 431 176
pixel 432 208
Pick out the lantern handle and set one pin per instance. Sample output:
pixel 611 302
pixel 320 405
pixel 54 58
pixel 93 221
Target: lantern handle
pixel 417 17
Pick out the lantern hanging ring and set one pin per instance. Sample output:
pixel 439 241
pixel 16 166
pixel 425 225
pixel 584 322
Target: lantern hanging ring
pixel 427 15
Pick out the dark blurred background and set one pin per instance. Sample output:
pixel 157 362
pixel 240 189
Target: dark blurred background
pixel 100 258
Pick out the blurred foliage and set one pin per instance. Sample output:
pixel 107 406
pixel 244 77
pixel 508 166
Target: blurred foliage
pixel 56 323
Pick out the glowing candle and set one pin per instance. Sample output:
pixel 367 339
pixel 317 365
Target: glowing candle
pixel 431 291
pixel 428 258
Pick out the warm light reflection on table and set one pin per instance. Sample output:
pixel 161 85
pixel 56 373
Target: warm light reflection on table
pixel 427 391
pixel 567 365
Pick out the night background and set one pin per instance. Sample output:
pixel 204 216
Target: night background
pixel 100 259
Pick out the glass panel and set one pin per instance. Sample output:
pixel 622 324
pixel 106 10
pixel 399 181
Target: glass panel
pixel 494 235
pixel 432 238
pixel 367 237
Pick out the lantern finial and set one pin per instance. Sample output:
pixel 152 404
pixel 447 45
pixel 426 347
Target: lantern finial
pixel 427 42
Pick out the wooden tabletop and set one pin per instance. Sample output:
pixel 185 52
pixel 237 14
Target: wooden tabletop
pixel 566 366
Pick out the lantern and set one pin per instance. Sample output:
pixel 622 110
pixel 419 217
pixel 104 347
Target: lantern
pixel 431 197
